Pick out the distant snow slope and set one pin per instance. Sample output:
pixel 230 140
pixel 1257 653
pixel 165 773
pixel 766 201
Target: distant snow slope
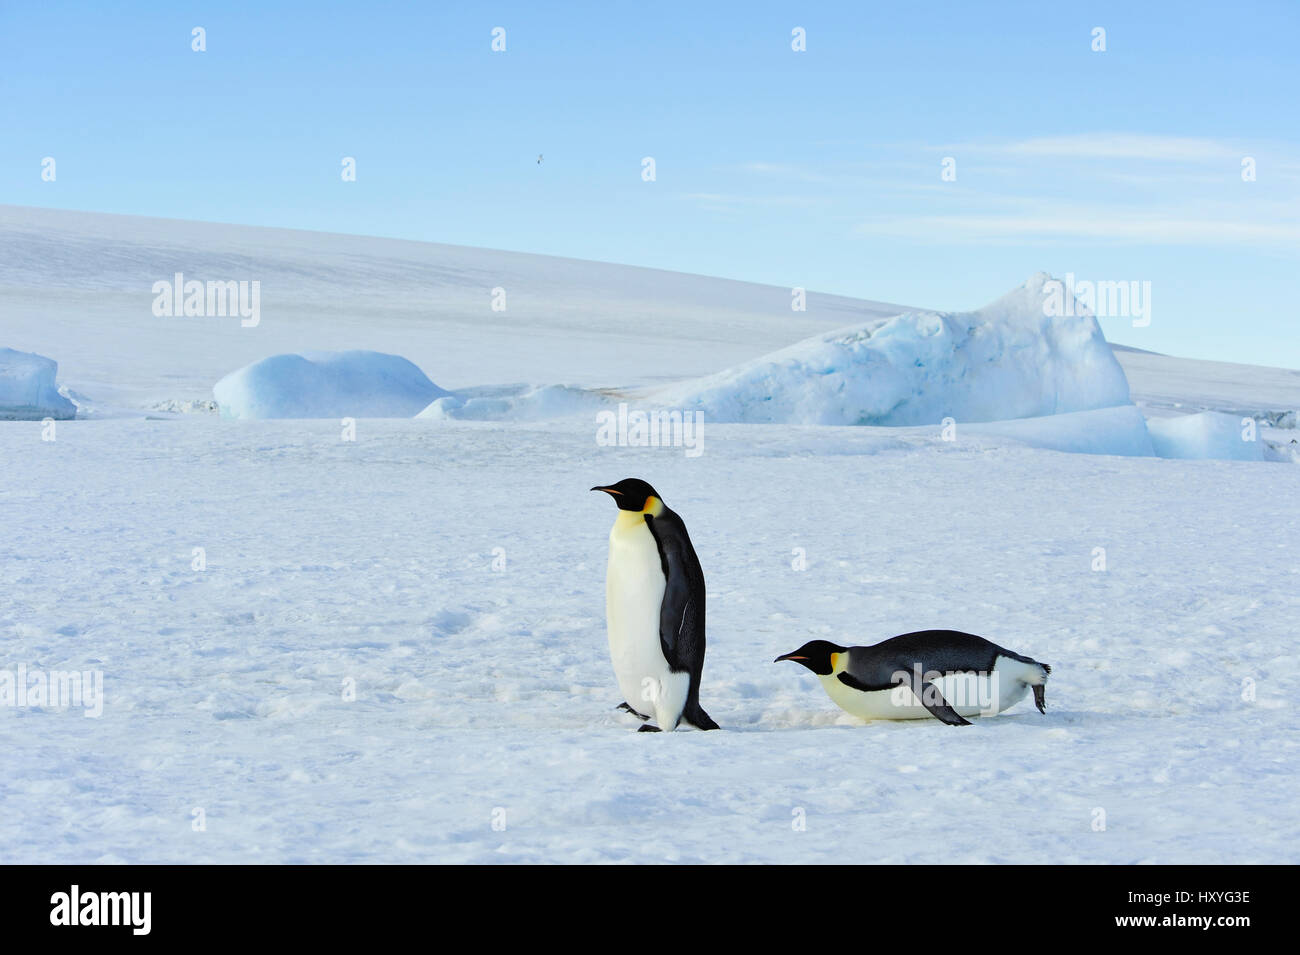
pixel 84 282
pixel 1006 360
pixel 78 286
pixel 1165 385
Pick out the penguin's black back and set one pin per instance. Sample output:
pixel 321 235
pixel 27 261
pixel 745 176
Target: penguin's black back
pixel 934 651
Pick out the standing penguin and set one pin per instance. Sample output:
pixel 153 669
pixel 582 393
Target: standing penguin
pixel 941 673
pixel 654 609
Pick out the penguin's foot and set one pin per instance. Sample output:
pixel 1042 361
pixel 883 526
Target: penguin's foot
pixel 647 728
pixel 698 718
pixel 624 706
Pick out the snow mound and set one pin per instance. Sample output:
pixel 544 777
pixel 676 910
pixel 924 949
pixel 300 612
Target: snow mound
pixel 1208 435
pixel 1119 431
pixel 1009 359
pixel 27 388
pixel 516 403
pixel 362 384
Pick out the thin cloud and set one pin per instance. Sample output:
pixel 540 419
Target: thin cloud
pixel 1126 146
pixel 1102 149
pixel 1190 192
pixel 1112 224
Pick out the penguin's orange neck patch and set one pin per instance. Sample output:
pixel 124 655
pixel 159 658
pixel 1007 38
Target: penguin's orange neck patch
pixel 653 506
pixel 835 661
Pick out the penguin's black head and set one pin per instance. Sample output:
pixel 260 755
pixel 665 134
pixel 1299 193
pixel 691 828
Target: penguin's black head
pixel 630 494
pixel 816 656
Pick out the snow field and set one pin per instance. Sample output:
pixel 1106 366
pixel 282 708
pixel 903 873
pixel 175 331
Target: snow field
pixel 480 690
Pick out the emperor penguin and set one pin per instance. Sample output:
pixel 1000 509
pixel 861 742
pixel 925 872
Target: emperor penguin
pixel 654 610
pixel 941 673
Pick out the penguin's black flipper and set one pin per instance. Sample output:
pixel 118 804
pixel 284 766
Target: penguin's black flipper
pixel 1040 698
pixel 681 614
pixel 936 705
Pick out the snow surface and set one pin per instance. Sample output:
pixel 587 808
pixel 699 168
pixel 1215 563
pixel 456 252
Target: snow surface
pixel 1209 434
pixel 28 389
pixel 451 571
pixel 1117 431
pixel 480 690
pixel 363 384
pixel 1009 359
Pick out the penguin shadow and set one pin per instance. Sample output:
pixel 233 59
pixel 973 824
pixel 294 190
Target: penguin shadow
pixel 802 721
pixel 786 720
pixel 1059 718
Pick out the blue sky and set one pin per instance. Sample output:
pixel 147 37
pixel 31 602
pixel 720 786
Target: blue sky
pixel 818 168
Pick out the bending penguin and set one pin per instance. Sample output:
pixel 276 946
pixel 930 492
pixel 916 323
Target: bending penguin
pixel 654 609
pixel 941 673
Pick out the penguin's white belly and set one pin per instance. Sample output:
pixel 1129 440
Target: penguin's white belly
pixel 634 593
pixel 970 694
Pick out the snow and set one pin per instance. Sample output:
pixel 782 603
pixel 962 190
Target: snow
pixel 1206 435
pixel 362 384
pixel 449 571
pixel 517 403
pixel 1163 385
pixel 1009 359
pixel 1117 431
pixel 28 389
pixel 589 324
pixel 480 690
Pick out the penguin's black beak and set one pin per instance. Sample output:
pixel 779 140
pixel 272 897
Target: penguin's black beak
pixel 607 490
pixel 789 656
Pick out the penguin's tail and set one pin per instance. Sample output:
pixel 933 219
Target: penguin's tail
pixel 1039 686
pixel 695 715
